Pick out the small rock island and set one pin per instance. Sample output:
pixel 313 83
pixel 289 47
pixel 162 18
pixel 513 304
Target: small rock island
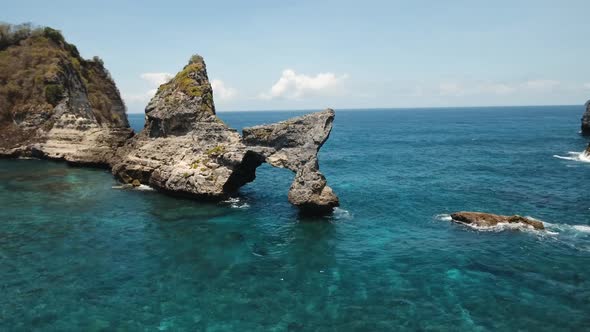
pixel 59 106
pixel 586 126
pixel 481 219
pixel 586 119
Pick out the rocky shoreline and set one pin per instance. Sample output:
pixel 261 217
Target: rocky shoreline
pixel 184 148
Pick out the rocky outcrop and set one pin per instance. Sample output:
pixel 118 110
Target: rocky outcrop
pixel 55 104
pixel 586 119
pixel 294 144
pixel 185 149
pixel 486 220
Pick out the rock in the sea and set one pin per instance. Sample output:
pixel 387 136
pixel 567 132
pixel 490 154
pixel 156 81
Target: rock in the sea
pixel 186 149
pixel 294 144
pixel 55 104
pixel 586 119
pixel 480 219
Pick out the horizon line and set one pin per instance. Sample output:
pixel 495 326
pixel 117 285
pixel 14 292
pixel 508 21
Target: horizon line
pixel 383 108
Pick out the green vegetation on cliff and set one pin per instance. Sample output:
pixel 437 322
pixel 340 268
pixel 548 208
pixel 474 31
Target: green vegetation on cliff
pixel 38 69
pixel 192 81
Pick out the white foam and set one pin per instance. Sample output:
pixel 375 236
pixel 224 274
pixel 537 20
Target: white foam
pixel 443 217
pixel 141 187
pixel 582 228
pixel 236 203
pixel 341 214
pixel 503 226
pixel 575 156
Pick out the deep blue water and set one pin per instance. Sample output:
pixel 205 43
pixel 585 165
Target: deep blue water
pixel 76 254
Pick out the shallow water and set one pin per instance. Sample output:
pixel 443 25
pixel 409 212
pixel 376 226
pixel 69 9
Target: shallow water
pixel 77 254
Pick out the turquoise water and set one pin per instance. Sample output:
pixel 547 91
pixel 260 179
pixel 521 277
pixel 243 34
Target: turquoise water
pixel 76 254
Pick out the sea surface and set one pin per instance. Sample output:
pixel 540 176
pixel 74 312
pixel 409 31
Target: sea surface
pixel 77 254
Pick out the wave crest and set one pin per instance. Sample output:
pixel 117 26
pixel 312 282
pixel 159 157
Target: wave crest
pixel 575 156
pixel 236 203
pixel 341 214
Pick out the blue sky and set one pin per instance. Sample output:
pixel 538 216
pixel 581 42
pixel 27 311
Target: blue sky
pixel 274 55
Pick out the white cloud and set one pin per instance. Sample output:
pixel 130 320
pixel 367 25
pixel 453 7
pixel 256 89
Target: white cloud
pixel 222 92
pixel 586 85
pixel 156 79
pixel 139 97
pixel 294 86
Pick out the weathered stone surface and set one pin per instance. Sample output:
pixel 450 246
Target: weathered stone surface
pixel 294 144
pixel 586 119
pixel 74 112
pixel 186 149
pixel 489 220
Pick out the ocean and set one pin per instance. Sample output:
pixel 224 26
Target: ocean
pixel 78 254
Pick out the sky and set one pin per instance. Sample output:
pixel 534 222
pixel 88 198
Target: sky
pixel 287 55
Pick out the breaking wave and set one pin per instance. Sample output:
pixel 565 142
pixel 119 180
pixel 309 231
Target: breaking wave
pixel 141 187
pixel 443 217
pixel 341 214
pixel 575 156
pixel 236 203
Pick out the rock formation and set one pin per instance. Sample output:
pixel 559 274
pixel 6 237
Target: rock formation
pixel 186 149
pixel 294 144
pixel 55 104
pixel 480 219
pixel 586 119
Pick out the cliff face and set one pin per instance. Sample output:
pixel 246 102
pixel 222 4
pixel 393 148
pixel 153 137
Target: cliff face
pixel 56 105
pixel 53 103
pixel 586 119
pixel 186 149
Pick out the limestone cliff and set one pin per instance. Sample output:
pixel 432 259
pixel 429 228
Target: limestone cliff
pixel 586 119
pixel 53 103
pixel 56 105
pixel 186 149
